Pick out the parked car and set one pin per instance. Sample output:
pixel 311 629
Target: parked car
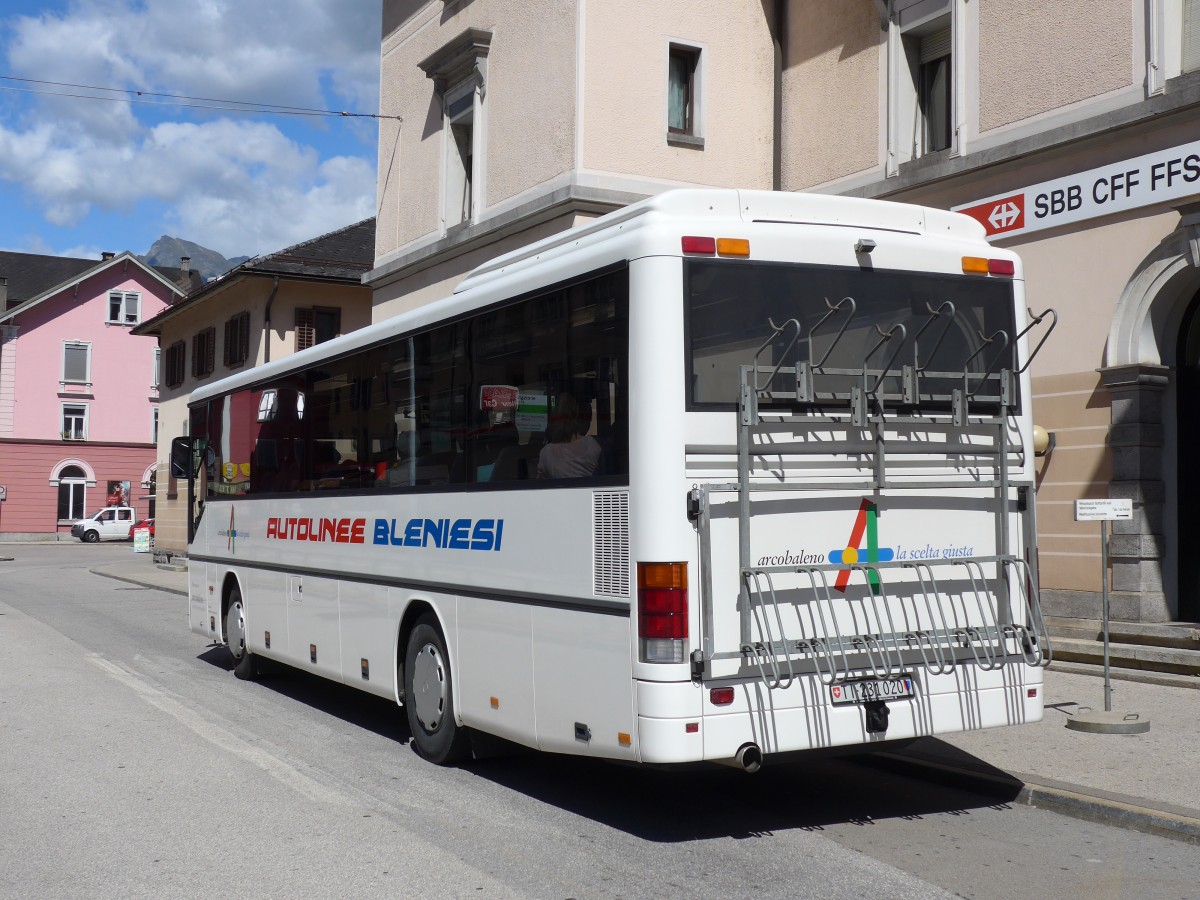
pixel 113 523
pixel 145 523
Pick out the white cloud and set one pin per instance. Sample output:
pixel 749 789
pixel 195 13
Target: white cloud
pixel 269 50
pixel 267 214
pixel 237 184
pixel 238 187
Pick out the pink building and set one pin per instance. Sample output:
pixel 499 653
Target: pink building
pixel 78 392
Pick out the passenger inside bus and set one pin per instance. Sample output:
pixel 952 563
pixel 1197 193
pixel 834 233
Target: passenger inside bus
pixel 570 452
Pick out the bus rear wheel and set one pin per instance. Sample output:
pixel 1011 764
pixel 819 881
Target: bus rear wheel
pixel 429 697
pixel 245 664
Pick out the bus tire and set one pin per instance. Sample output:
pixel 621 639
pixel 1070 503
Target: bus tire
pixel 429 697
pixel 245 663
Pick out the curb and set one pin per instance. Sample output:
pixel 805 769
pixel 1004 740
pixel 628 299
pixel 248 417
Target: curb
pixel 1144 676
pixel 140 582
pixel 1110 811
pixel 1072 800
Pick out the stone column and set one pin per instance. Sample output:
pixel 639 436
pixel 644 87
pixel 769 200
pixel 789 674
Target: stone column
pixel 1135 439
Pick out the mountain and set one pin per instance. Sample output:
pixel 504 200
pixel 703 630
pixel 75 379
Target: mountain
pixel 168 250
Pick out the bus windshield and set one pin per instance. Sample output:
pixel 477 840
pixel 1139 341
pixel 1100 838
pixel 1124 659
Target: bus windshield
pixel 730 305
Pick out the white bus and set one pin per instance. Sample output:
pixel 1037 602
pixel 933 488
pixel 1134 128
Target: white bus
pixel 721 475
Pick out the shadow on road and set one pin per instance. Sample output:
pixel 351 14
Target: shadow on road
pixel 673 805
pixel 362 710
pixel 712 802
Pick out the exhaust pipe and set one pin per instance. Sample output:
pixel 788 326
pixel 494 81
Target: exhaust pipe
pixel 749 757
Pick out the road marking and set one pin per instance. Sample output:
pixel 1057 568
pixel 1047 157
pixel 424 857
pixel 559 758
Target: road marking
pixel 223 738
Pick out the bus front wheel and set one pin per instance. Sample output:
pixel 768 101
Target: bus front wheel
pixel 245 665
pixel 429 696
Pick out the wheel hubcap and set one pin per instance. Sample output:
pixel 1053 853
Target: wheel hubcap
pixel 236 626
pixel 429 687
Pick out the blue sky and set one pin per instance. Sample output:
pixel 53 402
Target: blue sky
pixel 78 177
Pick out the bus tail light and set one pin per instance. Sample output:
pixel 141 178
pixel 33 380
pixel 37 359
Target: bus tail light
pixel 978 265
pixel 662 611
pixel 698 245
pixel 733 247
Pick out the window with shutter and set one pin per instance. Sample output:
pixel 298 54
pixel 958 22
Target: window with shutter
pixel 306 329
pixel 176 364
pixel 1190 61
pixel 237 340
pixel 316 325
pixel 77 362
pixel 244 346
pixel 921 78
pixel 934 89
pixel 683 93
pixel 204 349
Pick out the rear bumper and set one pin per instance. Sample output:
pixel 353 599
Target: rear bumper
pixel 802 717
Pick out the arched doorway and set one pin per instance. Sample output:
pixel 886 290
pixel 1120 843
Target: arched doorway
pixel 72 493
pixel 1187 417
pixel 1152 373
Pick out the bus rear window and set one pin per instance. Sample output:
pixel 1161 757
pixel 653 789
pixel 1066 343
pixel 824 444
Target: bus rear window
pixel 730 307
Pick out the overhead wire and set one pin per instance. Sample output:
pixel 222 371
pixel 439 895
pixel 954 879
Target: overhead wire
pixel 172 100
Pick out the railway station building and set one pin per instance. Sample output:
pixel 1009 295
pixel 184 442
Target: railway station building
pixel 1070 130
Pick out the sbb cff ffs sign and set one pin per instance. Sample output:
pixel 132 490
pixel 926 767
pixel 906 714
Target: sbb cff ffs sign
pixel 1161 177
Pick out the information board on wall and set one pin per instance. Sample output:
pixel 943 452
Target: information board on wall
pixel 1103 510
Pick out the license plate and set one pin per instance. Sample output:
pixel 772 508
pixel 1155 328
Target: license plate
pixel 871 689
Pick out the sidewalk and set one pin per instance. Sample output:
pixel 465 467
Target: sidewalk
pixel 1146 782
pixel 139 568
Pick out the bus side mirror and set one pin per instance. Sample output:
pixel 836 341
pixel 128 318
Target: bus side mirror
pixel 183 457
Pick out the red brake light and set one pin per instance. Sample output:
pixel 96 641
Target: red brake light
pixel 1001 267
pixel 662 610
pixel 663 613
pixel 722 696
pixel 705 245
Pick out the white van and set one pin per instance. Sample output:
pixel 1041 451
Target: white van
pixel 113 523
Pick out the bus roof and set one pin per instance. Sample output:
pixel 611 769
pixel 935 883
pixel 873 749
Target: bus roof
pixel 703 209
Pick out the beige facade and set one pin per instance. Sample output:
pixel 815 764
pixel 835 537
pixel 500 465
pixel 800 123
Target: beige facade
pixel 941 102
pixel 561 132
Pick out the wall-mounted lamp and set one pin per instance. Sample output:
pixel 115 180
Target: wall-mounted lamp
pixel 1043 441
pixel 864 245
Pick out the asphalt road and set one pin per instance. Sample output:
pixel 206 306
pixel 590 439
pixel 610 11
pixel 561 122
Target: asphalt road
pixel 133 764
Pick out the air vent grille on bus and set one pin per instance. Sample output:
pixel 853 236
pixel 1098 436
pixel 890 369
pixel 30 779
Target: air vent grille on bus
pixel 610 535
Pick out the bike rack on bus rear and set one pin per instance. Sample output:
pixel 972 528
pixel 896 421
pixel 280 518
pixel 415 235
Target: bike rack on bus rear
pixel 970 622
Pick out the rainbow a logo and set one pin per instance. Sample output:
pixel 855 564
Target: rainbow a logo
pixel 867 523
